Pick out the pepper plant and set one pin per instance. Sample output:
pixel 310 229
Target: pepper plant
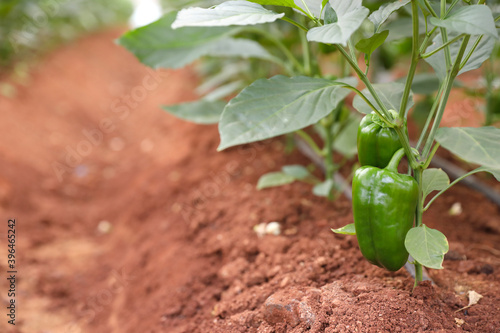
pixel 266 48
pixel 453 37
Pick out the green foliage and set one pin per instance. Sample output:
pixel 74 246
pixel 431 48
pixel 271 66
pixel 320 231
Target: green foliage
pixel 381 15
pixel 28 26
pixel 287 175
pixel 434 180
pixel 427 246
pixel 452 39
pixel 199 112
pixel 226 14
pixel 390 94
pixel 438 61
pixel 349 229
pixel 274 179
pixel 324 189
pixel 159 46
pixel 350 18
pixel 475 145
pixel 271 107
pixel 471 20
pixel 369 45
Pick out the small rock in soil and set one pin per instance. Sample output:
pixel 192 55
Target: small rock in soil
pixel 283 307
pixel 291 306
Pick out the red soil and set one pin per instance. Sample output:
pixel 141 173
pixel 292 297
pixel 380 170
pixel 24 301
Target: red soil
pixel 181 254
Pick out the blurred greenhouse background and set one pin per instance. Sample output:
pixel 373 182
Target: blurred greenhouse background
pixel 28 27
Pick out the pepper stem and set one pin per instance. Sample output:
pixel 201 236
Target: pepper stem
pixel 396 158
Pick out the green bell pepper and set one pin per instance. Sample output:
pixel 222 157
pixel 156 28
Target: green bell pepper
pixel 376 141
pixel 384 203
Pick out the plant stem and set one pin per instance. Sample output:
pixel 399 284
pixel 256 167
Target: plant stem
pixel 330 167
pixel 439 116
pixel 360 94
pixel 414 60
pixel 427 55
pixel 308 12
pixel 489 73
pixel 429 8
pixel 480 169
pixel 444 35
pixel 307 53
pixel 307 138
pixel 403 138
pixel 418 274
pixel 444 38
pixel 431 155
pixel 434 107
pixel 451 6
pixel 452 74
pixel 279 44
pixel 383 112
pixel 351 49
pixel 426 40
pixel 473 48
pixel 418 173
pixel 295 23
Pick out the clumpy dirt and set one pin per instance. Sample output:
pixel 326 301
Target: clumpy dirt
pixel 130 221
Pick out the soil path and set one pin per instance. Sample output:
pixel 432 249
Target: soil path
pixel 129 221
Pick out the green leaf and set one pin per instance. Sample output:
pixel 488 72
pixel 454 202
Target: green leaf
pixel 283 3
pixel 224 91
pixel 425 83
pixel 225 14
pixel 239 47
pixel 199 112
pixel 368 45
pixel 346 230
pixel 229 73
pixel 324 189
pixel 296 171
pixel 382 14
pixel 391 95
pixel 475 145
pixel 271 107
pixel 159 46
pixel 351 15
pixel 471 20
pixel 427 246
pixel 346 141
pixel 274 179
pixel 424 9
pixel 482 53
pixel 494 172
pixel 330 15
pixel 434 180
pixel 402 28
pixel 314 7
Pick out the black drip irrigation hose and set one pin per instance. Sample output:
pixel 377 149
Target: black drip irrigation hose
pixel 471 181
pixel 307 151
